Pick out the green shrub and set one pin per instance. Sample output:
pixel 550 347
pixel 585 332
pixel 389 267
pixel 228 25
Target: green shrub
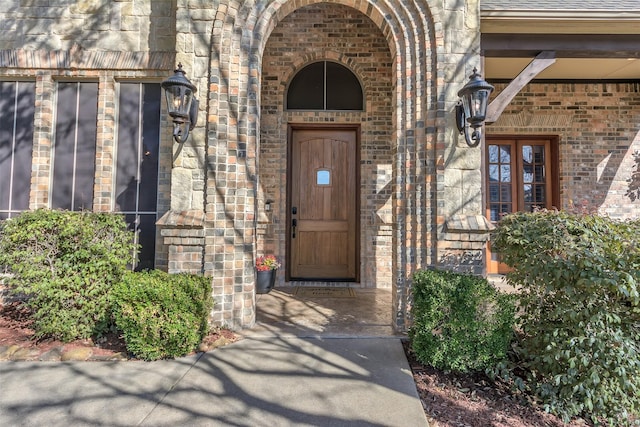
pixel 580 322
pixel 461 322
pixel 65 264
pixel 162 315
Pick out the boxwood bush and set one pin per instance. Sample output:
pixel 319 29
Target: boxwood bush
pixel 64 265
pixel 580 311
pixel 460 322
pixel 162 315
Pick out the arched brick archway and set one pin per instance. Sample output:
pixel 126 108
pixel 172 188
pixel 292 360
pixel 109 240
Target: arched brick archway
pixel 364 50
pixel 240 33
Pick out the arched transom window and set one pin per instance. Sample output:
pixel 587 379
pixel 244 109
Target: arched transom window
pixel 324 85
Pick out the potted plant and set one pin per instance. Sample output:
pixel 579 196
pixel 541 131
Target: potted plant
pixel 266 268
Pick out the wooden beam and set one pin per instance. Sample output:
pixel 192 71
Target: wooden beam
pixel 535 67
pixel 564 45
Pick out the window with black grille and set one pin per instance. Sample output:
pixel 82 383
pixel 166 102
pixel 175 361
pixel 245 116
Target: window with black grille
pixel 137 153
pixel 74 149
pixel 325 85
pixel 17 108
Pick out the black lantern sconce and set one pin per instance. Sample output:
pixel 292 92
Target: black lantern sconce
pixel 182 106
pixel 472 109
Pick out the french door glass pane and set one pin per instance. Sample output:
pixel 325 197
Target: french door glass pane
pixel 494 192
pixel 17 108
pixel 494 213
pixel 533 177
pixel 538 154
pixel 505 173
pixel 527 155
pixel 505 154
pixel 494 173
pixel 499 174
pixel 494 154
pixel 147 240
pixel 528 193
pixel 75 146
pixel 505 193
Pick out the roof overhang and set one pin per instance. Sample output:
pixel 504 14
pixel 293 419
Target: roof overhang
pixel 560 21
pixel 589 44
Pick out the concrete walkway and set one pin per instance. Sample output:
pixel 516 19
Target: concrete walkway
pixel 308 362
pixel 272 381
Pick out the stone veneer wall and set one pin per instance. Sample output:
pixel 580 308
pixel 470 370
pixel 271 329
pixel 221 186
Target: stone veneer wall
pixel 104 42
pixel 432 46
pixel 598 125
pixel 121 26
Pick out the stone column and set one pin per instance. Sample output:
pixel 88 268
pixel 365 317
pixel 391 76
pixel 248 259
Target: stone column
pixel 462 232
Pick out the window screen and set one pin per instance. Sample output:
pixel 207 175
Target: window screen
pixel 17 107
pixel 75 146
pixel 324 86
pixel 136 192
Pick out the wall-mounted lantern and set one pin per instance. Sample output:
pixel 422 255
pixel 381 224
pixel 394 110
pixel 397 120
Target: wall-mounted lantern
pixel 182 106
pixel 472 109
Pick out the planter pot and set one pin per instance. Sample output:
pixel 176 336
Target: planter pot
pixel 265 280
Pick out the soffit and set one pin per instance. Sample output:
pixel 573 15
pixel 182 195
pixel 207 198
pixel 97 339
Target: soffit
pixel 555 24
pixel 575 6
pixel 566 69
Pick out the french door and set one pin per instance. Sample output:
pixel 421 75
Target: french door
pixel 520 176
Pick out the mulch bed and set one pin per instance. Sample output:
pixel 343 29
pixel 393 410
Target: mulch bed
pixel 457 400
pixel 15 329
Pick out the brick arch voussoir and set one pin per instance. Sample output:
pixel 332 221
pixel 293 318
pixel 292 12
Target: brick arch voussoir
pixel 390 19
pixel 276 11
pixel 408 27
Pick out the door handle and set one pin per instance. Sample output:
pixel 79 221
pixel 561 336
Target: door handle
pixel 294 224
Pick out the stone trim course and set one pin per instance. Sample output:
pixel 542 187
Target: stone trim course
pixel 76 58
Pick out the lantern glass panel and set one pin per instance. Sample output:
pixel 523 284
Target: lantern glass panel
pixel 178 100
pixel 481 99
pixel 466 105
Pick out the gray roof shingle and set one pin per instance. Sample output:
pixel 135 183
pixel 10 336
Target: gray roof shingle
pixel 550 5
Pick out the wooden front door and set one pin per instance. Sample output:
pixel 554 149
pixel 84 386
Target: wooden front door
pixel 323 207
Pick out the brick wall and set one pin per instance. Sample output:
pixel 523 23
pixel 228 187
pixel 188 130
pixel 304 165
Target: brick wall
pixel 598 125
pixel 346 36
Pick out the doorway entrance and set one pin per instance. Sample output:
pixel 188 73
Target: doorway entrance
pixel 323 207
pixel 521 175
